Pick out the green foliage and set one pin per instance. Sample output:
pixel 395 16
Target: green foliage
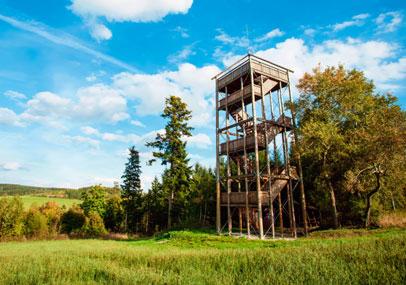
pixel 72 220
pixel 376 257
pixel 131 191
pixel 94 200
pixel 114 217
pixel 345 127
pixel 35 224
pixel 171 149
pixel 93 226
pixel 53 214
pixel 11 217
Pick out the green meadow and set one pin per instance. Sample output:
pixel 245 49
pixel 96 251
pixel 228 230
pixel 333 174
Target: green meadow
pixel 29 201
pixel 187 257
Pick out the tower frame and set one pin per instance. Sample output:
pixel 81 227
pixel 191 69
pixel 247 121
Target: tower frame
pixel 241 90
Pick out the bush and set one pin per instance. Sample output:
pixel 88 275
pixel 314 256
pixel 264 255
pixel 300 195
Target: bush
pixel 72 220
pixel 53 213
pixel 11 217
pixel 35 224
pixel 94 226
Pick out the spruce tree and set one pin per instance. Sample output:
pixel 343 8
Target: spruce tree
pixel 131 191
pixel 171 150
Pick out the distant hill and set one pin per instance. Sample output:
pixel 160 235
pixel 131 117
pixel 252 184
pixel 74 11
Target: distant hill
pixel 21 190
pixel 16 189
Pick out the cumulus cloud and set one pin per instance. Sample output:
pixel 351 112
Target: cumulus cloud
pixel 357 20
pixel 126 10
pixel 15 95
pixel 9 117
pixel 93 103
pixel 373 57
pixel 199 140
pixel 270 35
pixel 388 22
pixel 101 101
pixel 193 84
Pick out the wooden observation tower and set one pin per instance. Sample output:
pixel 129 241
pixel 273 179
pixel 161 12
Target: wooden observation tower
pixel 255 180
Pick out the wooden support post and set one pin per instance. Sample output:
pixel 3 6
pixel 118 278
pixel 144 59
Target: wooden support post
pixel 268 165
pixel 229 218
pixel 247 209
pixel 287 167
pixel 299 161
pixel 218 212
pixel 275 155
pixel 257 174
pixel 239 190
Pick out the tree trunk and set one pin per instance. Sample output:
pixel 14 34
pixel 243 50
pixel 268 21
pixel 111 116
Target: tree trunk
pixel 369 200
pixel 170 209
pixel 333 204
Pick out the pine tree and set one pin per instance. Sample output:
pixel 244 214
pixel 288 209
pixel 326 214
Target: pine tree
pixel 131 191
pixel 171 148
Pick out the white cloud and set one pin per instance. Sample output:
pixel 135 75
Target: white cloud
pixel 126 11
pixel 388 22
pixel 9 117
pixel 47 103
pixel 90 142
pixel 61 38
pixel 357 20
pixel 182 55
pixel 10 166
pixel 15 95
pixel 226 39
pixel 199 140
pixel 270 35
pixel 183 32
pixel 191 83
pixel 102 102
pixel 87 130
pixel 137 123
pixel 373 57
pixel 100 32
pixel 130 10
pixel 310 32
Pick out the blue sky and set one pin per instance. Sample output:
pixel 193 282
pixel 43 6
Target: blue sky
pixel 81 80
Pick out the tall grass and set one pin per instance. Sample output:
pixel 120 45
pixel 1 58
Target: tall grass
pixel 190 258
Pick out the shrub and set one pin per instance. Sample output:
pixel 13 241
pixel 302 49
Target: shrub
pixel 94 226
pixel 72 220
pixel 53 213
pixel 11 217
pixel 35 224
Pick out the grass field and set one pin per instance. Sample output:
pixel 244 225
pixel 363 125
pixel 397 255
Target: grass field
pixel 362 257
pixel 39 200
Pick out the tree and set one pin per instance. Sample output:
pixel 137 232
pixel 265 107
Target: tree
pixel 131 191
pixel 171 149
pixel 94 200
pixel 114 216
pixel 347 130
